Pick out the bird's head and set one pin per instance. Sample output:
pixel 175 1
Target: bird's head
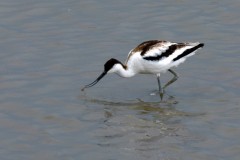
pixel 111 66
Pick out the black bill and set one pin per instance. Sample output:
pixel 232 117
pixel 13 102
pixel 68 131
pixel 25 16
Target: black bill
pixel 95 82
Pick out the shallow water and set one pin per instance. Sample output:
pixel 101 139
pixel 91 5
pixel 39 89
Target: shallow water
pixel 50 49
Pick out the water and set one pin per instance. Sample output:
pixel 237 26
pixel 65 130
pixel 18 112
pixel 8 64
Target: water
pixel 50 49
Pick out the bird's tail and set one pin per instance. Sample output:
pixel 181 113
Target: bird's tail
pixel 195 46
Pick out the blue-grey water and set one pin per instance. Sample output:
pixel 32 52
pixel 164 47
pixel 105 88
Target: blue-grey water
pixel 52 48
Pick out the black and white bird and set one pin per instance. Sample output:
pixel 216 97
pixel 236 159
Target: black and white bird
pixel 151 57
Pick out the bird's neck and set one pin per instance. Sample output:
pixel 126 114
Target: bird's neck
pixel 124 71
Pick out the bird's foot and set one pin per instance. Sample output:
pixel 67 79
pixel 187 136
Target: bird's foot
pixel 158 92
pixel 161 95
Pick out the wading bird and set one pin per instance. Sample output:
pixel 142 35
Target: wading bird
pixel 151 57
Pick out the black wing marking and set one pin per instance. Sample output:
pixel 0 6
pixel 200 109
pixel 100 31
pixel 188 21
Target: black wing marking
pixel 171 49
pixel 188 51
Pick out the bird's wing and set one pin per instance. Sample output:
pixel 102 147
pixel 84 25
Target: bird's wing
pixel 150 48
pixel 163 49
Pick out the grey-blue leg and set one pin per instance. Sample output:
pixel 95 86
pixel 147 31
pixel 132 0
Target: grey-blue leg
pixel 172 80
pixel 159 86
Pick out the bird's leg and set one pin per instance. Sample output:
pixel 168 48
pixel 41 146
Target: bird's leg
pixel 172 80
pixel 159 86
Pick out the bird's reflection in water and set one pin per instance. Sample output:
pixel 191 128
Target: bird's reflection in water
pixel 145 123
pixel 166 108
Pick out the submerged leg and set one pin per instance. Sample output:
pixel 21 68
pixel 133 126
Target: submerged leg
pixel 172 80
pixel 159 86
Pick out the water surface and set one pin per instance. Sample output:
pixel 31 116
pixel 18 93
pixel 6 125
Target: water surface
pixel 50 49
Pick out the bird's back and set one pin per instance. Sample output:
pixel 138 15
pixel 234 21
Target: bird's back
pixel 156 56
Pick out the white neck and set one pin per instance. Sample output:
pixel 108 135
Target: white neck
pixel 122 71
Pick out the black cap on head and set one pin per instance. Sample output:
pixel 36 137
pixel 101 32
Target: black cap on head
pixel 110 63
